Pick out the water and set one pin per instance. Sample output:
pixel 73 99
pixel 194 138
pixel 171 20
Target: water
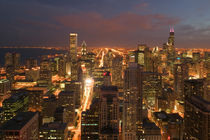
pixel 28 53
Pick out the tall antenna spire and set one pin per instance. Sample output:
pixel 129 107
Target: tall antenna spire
pixel 171 29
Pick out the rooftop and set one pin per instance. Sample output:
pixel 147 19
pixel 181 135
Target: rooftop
pixel 19 121
pixel 109 88
pixel 3 81
pixel 15 97
pixel 149 125
pixel 66 93
pixel 54 126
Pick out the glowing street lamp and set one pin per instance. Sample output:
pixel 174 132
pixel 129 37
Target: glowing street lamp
pixel 89 81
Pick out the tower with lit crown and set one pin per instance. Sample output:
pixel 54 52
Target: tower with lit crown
pixel 170 45
pixel 171 37
pixel 73 46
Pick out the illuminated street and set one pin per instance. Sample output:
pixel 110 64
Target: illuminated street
pixel 105 70
pixel 87 97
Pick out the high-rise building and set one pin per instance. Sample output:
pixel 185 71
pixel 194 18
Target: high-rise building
pixel 36 95
pixel 143 57
pixel 76 87
pixel 66 99
pixel 75 69
pixel 1 117
pixel 45 77
pixel 109 113
pixel 24 126
pixel 107 79
pixel 49 105
pixel 62 66
pixel 171 37
pixel 12 59
pixel 18 102
pixel 151 88
pixel 132 109
pixel 32 74
pixel 196 87
pixel 116 71
pixel 53 130
pixel 171 125
pixel 170 45
pixel 197 114
pixel 5 86
pixel 59 114
pixel 84 50
pixel 30 63
pixel 90 122
pixel 150 131
pixel 180 74
pixel 73 47
pixel 53 66
pixel 197 109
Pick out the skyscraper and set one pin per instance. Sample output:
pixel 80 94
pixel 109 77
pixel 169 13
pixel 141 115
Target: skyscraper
pixel 132 109
pixel 170 45
pixel 24 126
pixel 109 113
pixel 73 57
pixel 84 49
pixel 45 74
pixel 5 86
pixel 151 88
pixel 90 122
pixel 197 109
pixel 12 59
pixel 171 37
pixel 73 46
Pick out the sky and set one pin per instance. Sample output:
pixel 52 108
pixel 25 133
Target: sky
pixel 105 23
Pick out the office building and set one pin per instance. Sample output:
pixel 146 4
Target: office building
pixel 24 126
pixel 31 63
pixel 90 122
pixel 73 47
pixel 116 71
pixel 180 75
pixel 132 109
pixel 150 131
pixel 18 102
pixel 49 105
pixel 66 99
pixel 5 87
pixel 109 113
pixel 12 59
pixel 197 109
pixel 151 88
pixel 54 130
pixel 76 87
pixel 36 95
pixel 45 76
pixel 171 124
pixel 84 50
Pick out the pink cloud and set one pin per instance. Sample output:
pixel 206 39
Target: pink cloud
pixel 125 22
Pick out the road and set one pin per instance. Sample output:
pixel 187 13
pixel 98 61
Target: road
pixel 86 101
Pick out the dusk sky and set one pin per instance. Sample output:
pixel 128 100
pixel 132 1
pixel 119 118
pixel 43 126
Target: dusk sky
pixel 123 23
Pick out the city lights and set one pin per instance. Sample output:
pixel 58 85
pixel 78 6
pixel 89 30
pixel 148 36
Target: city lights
pixel 105 70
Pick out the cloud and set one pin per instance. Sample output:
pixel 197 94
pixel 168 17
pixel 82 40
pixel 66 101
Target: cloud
pixel 39 24
pixel 122 23
pixel 141 5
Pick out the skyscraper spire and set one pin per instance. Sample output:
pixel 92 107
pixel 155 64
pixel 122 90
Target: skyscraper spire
pixel 171 29
pixel 84 48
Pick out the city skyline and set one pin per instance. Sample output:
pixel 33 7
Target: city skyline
pixel 105 23
pixel 104 70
